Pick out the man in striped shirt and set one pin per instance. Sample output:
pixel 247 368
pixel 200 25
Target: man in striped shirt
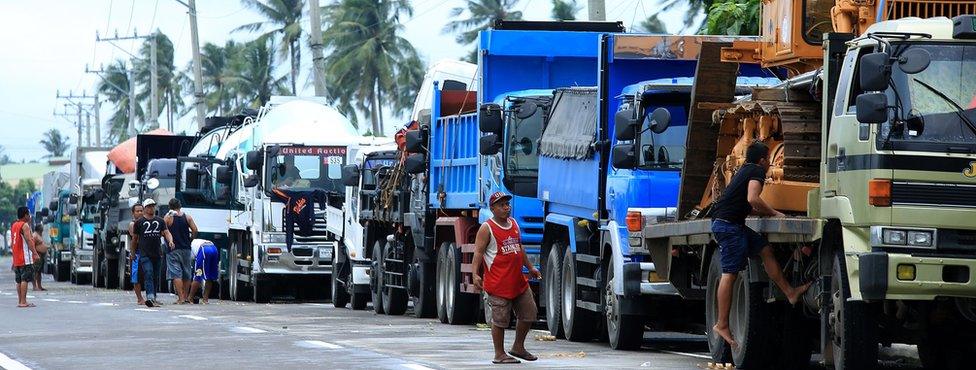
pixel 25 254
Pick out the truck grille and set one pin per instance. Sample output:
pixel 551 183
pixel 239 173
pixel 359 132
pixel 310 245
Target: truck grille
pixel 932 194
pixel 319 232
pixel 302 252
pixel 89 242
pixel 928 8
pixel 958 240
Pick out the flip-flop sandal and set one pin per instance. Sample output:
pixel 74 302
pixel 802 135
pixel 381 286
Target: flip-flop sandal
pixel 506 360
pixel 525 356
pixel 149 303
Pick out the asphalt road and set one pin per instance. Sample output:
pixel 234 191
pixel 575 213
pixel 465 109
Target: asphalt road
pixel 78 327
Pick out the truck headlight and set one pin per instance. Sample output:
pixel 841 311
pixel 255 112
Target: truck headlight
pixel 920 238
pixel 115 240
pixel 272 238
pixel 894 237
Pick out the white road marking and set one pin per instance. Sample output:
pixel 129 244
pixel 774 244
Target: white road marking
pixel 76 302
pixel 193 317
pixel 247 330
pixel 146 310
pixel 317 344
pixel 416 367
pixel 30 296
pixel 5 293
pixel 695 355
pixel 52 299
pixel 11 364
pixel 105 304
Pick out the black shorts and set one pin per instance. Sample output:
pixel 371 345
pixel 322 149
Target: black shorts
pixel 24 274
pixel 736 243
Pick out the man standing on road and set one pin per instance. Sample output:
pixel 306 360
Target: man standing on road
pixel 25 254
pixel 179 262
pixel 41 255
pixel 148 231
pixel 206 267
pixel 498 246
pixel 134 255
pixel 737 242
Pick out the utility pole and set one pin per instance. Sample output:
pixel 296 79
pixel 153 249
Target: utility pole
pixel 198 97
pixel 76 101
pixel 98 120
pixel 154 72
pixel 132 112
pixel 315 42
pixel 597 10
pixel 88 128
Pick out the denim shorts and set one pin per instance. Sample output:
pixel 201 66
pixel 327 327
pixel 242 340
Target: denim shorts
pixel 736 243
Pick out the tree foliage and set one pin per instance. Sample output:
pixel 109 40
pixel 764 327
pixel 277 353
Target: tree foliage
pixel 12 197
pixel 480 15
pixel 54 143
pixel 733 17
pixel 284 19
pixel 565 10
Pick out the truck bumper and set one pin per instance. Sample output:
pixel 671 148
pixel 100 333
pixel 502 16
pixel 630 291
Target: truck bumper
pixel 301 260
pixel 81 262
pixel 931 276
pixel 360 273
pixel 640 278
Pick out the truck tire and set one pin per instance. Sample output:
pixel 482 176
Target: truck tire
pixel 552 290
pixel 441 287
pixel 62 270
pixel 236 288
pixel 112 273
pixel 459 307
pixel 424 302
pixel 260 291
pixel 359 300
pixel 717 347
pixel 340 297
pixel 394 299
pixel 125 271
pixel 852 326
pixel 625 332
pixel 795 336
pixel 578 324
pixel 376 277
pixel 97 272
pixel 939 352
pixel 749 320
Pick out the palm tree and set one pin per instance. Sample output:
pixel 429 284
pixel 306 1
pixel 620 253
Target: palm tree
pixel 283 17
pixel 564 10
pixel 115 87
pixel 252 73
pixel 169 89
pixel 652 24
pixel 55 143
pixel 481 14
pixel 733 17
pixel 695 8
pixel 366 52
pixel 220 95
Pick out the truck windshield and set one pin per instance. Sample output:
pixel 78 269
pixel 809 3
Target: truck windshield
pixel 88 212
pixel 198 186
pixel 306 168
pixel 520 155
pixel 933 122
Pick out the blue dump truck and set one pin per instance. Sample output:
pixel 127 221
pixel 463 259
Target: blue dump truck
pixel 423 208
pixel 594 284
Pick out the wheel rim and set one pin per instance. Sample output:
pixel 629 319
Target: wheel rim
pixel 552 299
pixel 334 283
pixel 233 272
pixel 611 304
pixel 835 320
pixel 451 279
pixel 569 293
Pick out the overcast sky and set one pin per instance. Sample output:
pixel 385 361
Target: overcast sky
pixel 46 45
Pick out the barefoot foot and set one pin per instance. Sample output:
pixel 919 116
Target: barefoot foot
pixel 794 296
pixel 725 334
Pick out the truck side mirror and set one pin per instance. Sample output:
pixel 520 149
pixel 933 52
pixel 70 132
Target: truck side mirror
pixel 625 124
pixel 659 120
pixel 416 140
pixel 44 212
pixel 223 175
pixel 415 163
pixel 251 181
pixel 253 160
pixel 489 144
pixel 872 107
pixel 526 109
pixel 624 156
pixel 914 61
pixel 72 211
pixel 875 71
pixel 98 219
pixel 490 119
pixel 73 199
pixel 350 175
pixel 53 205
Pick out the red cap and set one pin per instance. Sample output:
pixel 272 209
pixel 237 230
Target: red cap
pixel 498 196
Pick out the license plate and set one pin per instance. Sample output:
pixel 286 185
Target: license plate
pixel 325 253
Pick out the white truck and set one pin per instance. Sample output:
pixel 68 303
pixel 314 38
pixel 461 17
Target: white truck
pixel 299 144
pixel 88 166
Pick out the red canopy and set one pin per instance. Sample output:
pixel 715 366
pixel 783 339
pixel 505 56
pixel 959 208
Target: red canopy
pixel 124 154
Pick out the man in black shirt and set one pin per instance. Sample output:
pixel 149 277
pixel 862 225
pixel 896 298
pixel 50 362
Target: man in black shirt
pixel 146 240
pixel 737 242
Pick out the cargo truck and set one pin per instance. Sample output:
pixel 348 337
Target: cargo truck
pixel 872 156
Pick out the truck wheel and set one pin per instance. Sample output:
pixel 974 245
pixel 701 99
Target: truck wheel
pixel 236 287
pixel 63 271
pixel 96 274
pixel 439 276
pixel 460 307
pixel 719 349
pixel 626 332
pixel 73 277
pixel 394 299
pixel 425 303
pixel 749 320
pixel 359 300
pixel 376 277
pixel 125 277
pixel 852 324
pixel 795 337
pixel 552 290
pixel 261 291
pixel 340 297
pixel 578 324
pixel 112 273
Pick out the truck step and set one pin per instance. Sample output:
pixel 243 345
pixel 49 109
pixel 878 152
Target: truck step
pixel 592 283
pixel 587 258
pixel 394 273
pixel 589 306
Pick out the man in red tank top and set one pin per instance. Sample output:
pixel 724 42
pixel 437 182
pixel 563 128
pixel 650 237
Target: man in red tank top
pixel 25 254
pixel 498 249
